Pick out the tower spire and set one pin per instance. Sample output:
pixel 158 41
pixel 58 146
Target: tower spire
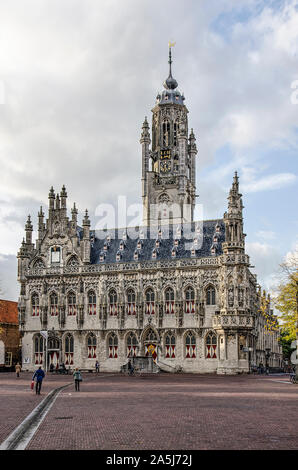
pixel 170 82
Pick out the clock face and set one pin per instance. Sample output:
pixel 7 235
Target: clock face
pixel 165 154
pixel 165 167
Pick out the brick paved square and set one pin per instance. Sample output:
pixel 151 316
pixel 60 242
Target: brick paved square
pixel 169 412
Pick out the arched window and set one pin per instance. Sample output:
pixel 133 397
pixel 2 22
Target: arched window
pixel 211 345
pixel 131 302
pixel 113 302
pixel 54 304
pixel 91 302
pixel 132 344
pixel 35 305
pixel 72 307
pixel 166 134
pixel 113 346
pixel 175 133
pixel 190 346
pixel 73 261
pixel 170 343
pixel 169 296
pixel 210 296
pixel 189 300
pixel 91 343
pixel 53 343
pixel 38 350
pixel 69 350
pixel 150 304
pixel 151 336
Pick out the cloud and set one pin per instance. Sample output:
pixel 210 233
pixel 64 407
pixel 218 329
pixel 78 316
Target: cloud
pixel 269 182
pixel 266 234
pixel 79 77
pixel 266 260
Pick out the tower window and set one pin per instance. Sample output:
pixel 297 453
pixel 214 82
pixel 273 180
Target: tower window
pixel 166 133
pixel 175 133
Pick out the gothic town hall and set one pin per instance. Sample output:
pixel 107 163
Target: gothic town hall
pixel 174 289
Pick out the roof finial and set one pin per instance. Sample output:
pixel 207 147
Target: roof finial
pixel 170 83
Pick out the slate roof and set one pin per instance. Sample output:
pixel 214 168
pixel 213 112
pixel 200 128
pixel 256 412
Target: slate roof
pixel 138 240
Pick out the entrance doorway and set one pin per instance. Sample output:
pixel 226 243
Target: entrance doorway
pixel 150 344
pixel 53 353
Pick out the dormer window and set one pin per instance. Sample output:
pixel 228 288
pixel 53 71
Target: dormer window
pixel 193 252
pixel 213 250
pixel 174 252
pixel 176 242
pixel 102 256
pixel 118 256
pixel 136 255
pixel 122 245
pixel 154 254
pixel 139 245
pixel 55 254
pixel 157 243
pixel 106 246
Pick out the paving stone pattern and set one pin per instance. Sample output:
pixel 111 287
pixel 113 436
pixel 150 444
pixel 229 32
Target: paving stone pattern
pixel 170 412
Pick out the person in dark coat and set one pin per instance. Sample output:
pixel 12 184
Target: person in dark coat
pixel 39 375
pixel 130 368
pixel 77 379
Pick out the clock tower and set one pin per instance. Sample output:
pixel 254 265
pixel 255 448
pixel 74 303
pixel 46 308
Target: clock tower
pixel 169 166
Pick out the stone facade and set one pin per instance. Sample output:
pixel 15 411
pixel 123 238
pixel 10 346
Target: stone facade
pixel 179 291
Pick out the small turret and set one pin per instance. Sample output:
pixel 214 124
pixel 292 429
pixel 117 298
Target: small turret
pixel 51 200
pixel 86 244
pixel 233 220
pixel 74 215
pixel 29 230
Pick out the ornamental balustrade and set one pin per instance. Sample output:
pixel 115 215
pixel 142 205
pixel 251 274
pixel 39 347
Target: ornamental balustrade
pixel 133 266
pixel 230 321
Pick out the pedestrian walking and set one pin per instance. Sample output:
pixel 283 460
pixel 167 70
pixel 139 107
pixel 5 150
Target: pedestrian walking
pixel 130 368
pixel 97 366
pixel 77 379
pixel 39 375
pixel 18 369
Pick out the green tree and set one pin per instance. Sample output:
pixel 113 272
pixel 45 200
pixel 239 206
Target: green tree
pixel 286 303
pixel 287 300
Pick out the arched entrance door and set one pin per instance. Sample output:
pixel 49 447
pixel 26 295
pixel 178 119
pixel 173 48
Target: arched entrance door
pixel 53 352
pixel 150 344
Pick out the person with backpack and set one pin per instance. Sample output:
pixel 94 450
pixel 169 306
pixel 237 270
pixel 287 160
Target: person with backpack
pixel 77 379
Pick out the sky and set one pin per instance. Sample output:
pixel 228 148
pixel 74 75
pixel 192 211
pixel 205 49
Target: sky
pixel 77 79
